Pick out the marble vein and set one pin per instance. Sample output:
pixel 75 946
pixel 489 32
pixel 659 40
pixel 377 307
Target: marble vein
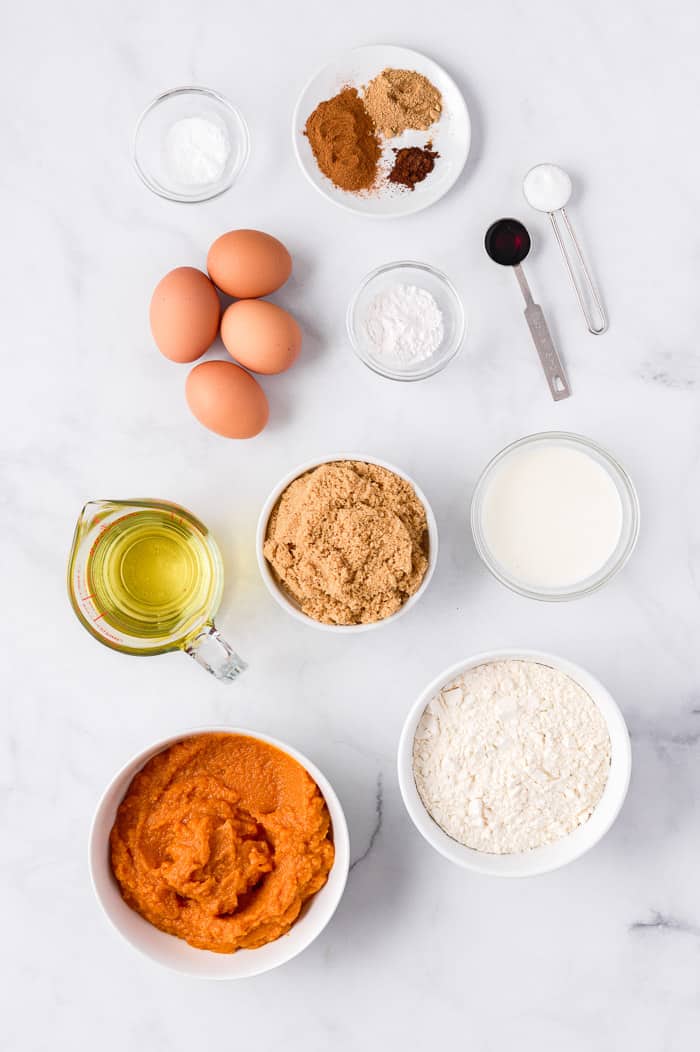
pixel 662 922
pixel 378 819
pixel 672 369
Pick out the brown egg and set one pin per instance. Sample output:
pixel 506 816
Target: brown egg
pixel 185 312
pixel 261 336
pixel 227 399
pixel 248 263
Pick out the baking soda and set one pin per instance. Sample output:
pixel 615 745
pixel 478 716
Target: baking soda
pixel 197 150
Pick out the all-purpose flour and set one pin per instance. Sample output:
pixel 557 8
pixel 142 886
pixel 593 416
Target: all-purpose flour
pixel 510 756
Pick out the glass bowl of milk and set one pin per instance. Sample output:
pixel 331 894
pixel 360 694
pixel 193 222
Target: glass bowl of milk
pixel 554 516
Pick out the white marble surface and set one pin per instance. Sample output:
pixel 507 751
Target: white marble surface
pixel 603 954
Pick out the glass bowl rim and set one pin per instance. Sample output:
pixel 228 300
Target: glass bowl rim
pixel 453 295
pixel 204 195
pixel 590 584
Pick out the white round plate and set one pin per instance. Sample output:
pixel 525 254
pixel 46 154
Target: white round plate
pixel 451 135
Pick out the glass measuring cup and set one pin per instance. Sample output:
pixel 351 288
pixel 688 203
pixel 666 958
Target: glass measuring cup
pixel 146 577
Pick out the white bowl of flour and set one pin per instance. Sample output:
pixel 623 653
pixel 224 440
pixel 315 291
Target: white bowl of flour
pixel 514 763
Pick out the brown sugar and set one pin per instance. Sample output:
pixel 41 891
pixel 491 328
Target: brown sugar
pixel 348 542
pixel 344 141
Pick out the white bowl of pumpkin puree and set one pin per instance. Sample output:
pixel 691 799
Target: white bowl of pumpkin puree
pixel 220 853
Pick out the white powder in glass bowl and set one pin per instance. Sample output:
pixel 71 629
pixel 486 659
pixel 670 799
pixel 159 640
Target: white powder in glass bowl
pixel 404 325
pixel 197 150
pixel 510 756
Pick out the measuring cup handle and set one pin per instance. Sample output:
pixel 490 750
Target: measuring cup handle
pixel 210 650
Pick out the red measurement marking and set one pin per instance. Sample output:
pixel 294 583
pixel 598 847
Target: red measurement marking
pixel 98 617
pixel 86 597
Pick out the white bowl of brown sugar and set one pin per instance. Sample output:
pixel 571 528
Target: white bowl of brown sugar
pixel 346 543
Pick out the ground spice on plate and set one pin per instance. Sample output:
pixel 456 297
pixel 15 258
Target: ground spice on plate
pixel 344 141
pixel 399 99
pixel 412 164
pixel 348 542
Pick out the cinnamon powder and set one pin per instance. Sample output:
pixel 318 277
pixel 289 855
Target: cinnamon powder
pixel 344 141
pixel 348 542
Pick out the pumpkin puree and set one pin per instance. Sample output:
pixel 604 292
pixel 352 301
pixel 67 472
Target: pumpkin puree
pixel 220 840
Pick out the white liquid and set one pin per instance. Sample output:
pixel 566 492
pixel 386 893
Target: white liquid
pixel 551 516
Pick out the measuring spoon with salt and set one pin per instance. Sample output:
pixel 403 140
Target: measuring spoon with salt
pixel 547 187
pixel 507 242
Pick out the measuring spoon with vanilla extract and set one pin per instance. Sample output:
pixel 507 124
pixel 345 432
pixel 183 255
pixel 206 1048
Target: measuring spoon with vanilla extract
pixel 507 242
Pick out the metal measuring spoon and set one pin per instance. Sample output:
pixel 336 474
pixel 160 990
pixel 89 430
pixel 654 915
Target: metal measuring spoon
pixel 507 242
pixel 547 187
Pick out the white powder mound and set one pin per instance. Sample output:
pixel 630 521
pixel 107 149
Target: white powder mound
pixel 510 756
pixel 197 150
pixel 404 324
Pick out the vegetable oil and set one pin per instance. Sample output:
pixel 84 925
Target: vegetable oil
pixel 155 575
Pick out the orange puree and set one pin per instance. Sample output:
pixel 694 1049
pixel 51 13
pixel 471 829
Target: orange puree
pixel 220 840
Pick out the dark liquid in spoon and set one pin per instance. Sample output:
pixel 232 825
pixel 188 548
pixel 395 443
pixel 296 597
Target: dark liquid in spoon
pixel 507 242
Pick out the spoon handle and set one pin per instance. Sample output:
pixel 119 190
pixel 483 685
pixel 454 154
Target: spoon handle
pixel 553 369
pixel 586 292
pixel 541 336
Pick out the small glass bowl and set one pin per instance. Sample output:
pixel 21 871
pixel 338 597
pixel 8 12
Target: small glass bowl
pixel 423 276
pixel 152 128
pixel 629 531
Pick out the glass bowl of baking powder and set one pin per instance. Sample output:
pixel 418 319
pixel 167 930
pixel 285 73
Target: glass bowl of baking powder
pixel 406 321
